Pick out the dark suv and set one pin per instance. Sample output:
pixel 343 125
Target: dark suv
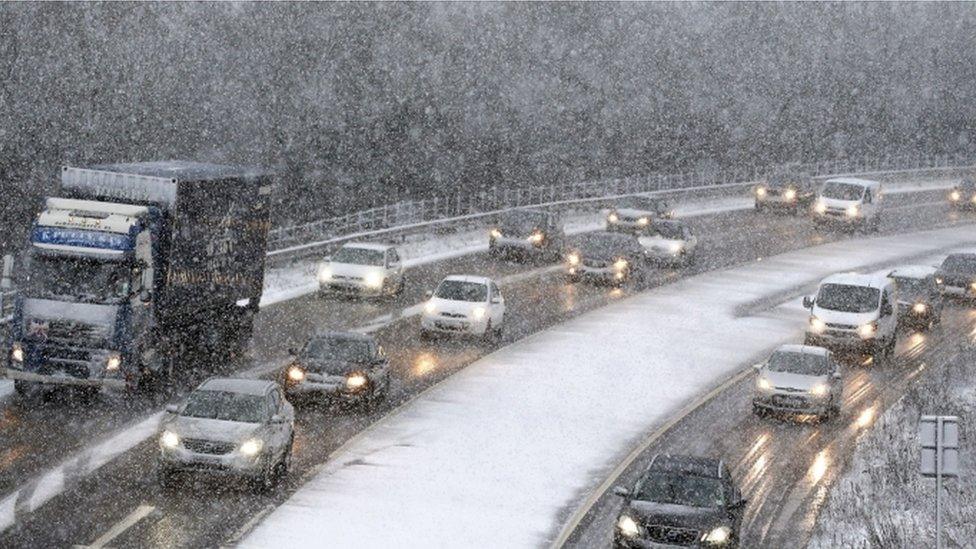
pixel 963 195
pixel 522 232
pixel 957 275
pixel 790 190
pixel 681 501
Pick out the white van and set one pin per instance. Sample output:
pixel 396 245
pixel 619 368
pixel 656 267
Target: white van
pixel 854 312
pixel 849 201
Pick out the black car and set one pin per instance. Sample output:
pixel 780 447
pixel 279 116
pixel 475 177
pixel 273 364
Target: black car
pixel 680 501
pixel 957 275
pixel 339 366
pixel 523 232
pixel 606 257
pixel 963 195
pixel 631 213
pixel 789 189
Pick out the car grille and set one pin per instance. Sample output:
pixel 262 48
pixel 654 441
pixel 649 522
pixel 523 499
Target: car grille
pixel 454 315
pixel 772 191
pixel 840 326
pixel 200 446
pixel 594 263
pixel 341 277
pixel 673 535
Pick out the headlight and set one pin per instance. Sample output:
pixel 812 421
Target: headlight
pixel 478 312
pixel 718 535
pixel 954 196
pixel 295 373
pixel 113 362
pixel 251 447
pixel 17 352
pixel 620 264
pixel 627 527
pixel 169 440
pixel 853 210
pixel 919 308
pixel 325 273
pixel 974 199
pixel 373 279
pixel 790 194
pixel 820 207
pixel 573 259
pixel 495 233
pixel 430 307
pixel 355 381
pixel 761 192
pixel 764 384
pixel 817 326
pixel 536 238
pixel 938 280
pixel 643 221
pixel 612 218
pixel 676 247
pixel 867 330
pixel 819 390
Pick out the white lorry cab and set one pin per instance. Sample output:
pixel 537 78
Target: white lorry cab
pixel 854 312
pixel 849 202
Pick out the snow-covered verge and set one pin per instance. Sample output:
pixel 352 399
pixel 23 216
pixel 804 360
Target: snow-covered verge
pixel 881 501
pixel 493 455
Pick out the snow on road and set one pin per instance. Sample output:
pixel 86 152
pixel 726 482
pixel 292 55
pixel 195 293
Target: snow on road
pixel 497 453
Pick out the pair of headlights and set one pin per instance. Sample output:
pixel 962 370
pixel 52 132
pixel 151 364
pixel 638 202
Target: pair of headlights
pixel 789 194
pixel 372 279
pixel 250 447
pixel 112 363
pixel 643 221
pixel 818 390
pixel 353 381
pixel 629 528
pixel 866 331
pixel 477 313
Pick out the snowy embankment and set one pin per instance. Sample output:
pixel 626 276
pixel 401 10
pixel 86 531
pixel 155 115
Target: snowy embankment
pixel 881 501
pixel 494 454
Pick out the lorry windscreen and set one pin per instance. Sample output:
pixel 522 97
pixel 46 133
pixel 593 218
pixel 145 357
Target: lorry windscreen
pixel 848 299
pixel 78 279
pixel 843 191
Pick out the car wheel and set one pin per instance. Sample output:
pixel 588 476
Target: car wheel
pixel 399 290
pixel 489 334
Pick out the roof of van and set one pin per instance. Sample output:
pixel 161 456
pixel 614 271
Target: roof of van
pixel 874 280
pixel 368 246
pixel 236 385
pixel 802 349
pixel 182 170
pixel 469 278
pixel 854 181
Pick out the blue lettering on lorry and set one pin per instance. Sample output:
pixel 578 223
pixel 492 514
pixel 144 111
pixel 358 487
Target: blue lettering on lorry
pixel 134 265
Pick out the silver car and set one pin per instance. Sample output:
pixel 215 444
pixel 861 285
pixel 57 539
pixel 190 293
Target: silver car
pixel 799 379
pixel 228 427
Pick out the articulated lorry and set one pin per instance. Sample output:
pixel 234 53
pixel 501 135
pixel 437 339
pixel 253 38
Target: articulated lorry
pixel 136 266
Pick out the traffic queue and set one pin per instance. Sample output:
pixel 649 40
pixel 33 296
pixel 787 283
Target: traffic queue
pixel 245 429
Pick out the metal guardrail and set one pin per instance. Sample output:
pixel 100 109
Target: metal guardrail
pixel 406 217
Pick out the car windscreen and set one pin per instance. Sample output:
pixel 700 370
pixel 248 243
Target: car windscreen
pixel 604 247
pixel 640 203
pixel 670 231
pixel 459 290
pixel 799 363
pixel 521 221
pixel 358 256
pixel 787 180
pixel 226 406
pixel 960 263
pixel 339 349
pixel 848 299
pixel 82 279
pixel 842 191
pixel 681 489
pixel 913 287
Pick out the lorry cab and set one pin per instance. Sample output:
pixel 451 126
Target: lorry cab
pixel 854 312
pixel 849 202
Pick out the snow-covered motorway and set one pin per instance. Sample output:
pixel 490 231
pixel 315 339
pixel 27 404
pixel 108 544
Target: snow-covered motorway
pixel 88 508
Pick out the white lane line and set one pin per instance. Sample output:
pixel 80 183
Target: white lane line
pixel 243 530
pixel 129 521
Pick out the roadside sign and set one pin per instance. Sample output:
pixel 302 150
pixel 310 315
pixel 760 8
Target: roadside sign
pixel 935 443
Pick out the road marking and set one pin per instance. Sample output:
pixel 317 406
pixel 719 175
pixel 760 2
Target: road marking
pixel 129 521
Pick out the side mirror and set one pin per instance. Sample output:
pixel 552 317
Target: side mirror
pixel 172 409
pixel 758 367
pixel 429 294
pixel 808 302
pixel 277 419
pixel 293 351
pixel 621 491
pixel 145 295
pixel 736 505
pixel 496 300
pixel 327 259
pixel 836 376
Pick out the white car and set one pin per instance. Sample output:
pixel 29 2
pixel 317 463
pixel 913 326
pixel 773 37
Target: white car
pixel 669 241
pixel 854 312
pixel 362 269
pixel 850 202
pixel 232 427
pixel 463 304
pixel 799 379
pixel 634 212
